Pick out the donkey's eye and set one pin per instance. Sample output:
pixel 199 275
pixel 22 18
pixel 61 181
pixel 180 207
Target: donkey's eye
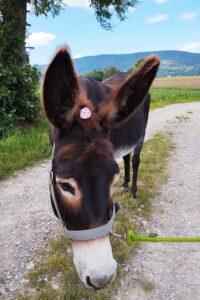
pixel 65 186
pixel 69 190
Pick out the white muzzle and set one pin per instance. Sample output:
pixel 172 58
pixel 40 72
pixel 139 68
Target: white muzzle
pixel 94 262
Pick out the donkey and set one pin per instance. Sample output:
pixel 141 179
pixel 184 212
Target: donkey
pixel 92 125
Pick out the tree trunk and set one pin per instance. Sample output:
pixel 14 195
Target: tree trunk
pixel 13 32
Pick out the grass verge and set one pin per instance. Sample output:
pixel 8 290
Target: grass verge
pixel 24 148
pixel 55 277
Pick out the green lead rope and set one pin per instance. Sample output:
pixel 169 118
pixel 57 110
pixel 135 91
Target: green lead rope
pixel 131 237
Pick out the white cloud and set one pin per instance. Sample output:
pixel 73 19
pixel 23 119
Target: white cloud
pixel 160 1
pixel 29 6
pixel 192 47
pixel 38 39
pixel 158 18
pixel 77 56
pixel 188 16
pixel 77 3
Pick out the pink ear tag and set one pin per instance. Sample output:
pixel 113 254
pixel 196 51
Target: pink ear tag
pixel 85 113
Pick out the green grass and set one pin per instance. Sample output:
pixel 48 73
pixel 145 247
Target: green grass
pixel 2 280
pixel 147 286
pixel 165 96
pixel 24 148
pixel 55 261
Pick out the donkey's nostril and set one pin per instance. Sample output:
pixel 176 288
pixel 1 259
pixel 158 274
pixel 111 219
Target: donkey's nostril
pixel 99 283
pixel 89 283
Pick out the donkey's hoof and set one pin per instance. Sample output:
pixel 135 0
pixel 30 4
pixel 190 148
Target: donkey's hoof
pixel 134 198
pixel 124 189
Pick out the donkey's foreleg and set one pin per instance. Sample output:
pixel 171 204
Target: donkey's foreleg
pixel 127 159
pixel 135 164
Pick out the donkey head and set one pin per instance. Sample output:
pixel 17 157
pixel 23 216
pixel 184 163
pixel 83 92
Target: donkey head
pixel 84 167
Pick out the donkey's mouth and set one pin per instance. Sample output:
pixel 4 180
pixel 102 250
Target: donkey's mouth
pixel 94 262
pixel 90 284
pixel 97 285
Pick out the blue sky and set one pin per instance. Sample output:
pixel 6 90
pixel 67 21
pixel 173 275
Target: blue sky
pixel 154 25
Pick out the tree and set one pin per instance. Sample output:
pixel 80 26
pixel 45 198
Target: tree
pixel 140 60
pixel 107 72
pixel 13 21
pixel 97 75
pixel 19 99
pixel 101 75
pixel 103 10
pixel 13 28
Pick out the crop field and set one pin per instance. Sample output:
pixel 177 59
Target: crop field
pixel 178 82
pixel 161 96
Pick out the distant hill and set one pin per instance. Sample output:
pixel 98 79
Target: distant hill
pixel 173 63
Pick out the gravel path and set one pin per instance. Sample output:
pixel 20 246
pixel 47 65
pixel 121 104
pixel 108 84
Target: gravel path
pixel 27 221
pixel 172 271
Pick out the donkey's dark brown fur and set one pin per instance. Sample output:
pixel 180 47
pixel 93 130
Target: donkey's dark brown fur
pixel 85 150
pixel 131 131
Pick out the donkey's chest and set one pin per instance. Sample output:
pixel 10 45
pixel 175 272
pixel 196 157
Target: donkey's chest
pixel 122 151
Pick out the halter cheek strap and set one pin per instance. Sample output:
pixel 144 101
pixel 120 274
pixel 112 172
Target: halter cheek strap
pixel 82 235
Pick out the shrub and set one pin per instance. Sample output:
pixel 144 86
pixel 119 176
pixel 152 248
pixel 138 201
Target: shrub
pixel 19 98
pixel 108 72
pixel 97 75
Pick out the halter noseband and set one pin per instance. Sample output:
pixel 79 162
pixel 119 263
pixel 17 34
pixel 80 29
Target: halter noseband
pixel 81 235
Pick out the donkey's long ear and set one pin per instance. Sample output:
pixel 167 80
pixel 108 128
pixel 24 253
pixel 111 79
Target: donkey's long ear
pixel 60 89
pixel 130 94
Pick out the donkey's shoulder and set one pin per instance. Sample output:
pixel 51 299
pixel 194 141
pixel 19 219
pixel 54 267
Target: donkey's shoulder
pixel 96 91
pixel 116 79
pixel 93 89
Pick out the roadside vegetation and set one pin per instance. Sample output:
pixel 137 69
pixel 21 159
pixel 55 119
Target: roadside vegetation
pixel 54 276
pixel 27 146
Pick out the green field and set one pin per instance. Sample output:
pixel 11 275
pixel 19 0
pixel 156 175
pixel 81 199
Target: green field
pixel 165 96
pixel 31 144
